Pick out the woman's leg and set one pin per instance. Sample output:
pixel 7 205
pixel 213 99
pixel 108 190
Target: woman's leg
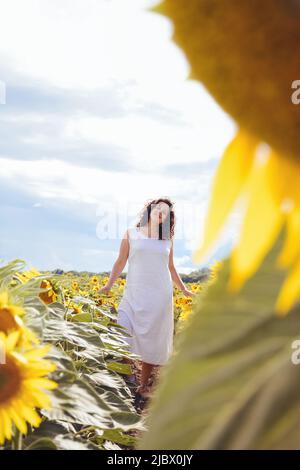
pixel 155 376
pixel 127 360
pixel 145 375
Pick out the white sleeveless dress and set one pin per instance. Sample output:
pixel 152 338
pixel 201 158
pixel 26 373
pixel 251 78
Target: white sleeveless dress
pixel 146 308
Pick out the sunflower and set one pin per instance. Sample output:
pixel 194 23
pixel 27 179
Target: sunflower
pixel 25 276
pixel 23 383
pixel 75 308
pixel 230 47
pixel 10 320
pixel 94 280
pixel 196 287
pixel 74 285
pixel 185 312
pixel 49 296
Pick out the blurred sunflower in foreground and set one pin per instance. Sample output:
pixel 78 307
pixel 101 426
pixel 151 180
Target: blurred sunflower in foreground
pixel 247 54
pixel 23 385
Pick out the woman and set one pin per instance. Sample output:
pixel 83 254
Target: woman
pixel 146 308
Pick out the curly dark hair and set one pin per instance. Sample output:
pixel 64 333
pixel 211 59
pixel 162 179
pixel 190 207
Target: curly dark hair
pixel 167 227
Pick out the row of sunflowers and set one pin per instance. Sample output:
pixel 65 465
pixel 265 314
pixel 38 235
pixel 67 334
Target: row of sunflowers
pixel 62 374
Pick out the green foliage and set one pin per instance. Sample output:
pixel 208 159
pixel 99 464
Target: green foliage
pixel 232 374
pixel 92 406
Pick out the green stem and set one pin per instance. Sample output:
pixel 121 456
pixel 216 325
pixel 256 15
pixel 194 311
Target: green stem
pixel 17 441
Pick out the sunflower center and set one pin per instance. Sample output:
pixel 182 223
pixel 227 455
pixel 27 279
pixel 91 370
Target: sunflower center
pixel 10 380
pixel 7 321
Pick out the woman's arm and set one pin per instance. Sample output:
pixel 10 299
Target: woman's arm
pixel 175 276
pixel 119 264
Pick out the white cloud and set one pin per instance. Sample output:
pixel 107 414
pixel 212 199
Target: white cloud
pixel 181 260
pixel 85 43
pixel 95 252
pixel 56 179
pixel 82 46
pixel 151 143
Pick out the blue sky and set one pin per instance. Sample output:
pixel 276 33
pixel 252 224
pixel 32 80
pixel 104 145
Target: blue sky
pixel 99 117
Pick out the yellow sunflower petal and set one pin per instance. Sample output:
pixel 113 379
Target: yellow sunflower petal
pixel 30 415
pixel 2 429
pixel 291 246
pixel 16 310
pixel 12 340
pixel 42 384
pixel 40 399
pixel 6 423
pixel 290 291
pixel 36 354
pixel 38 370
pixel 18 420
pixel 260 228
pixel 228 183
pixel 3 299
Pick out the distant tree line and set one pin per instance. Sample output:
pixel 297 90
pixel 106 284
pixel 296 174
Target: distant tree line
pixel 199 275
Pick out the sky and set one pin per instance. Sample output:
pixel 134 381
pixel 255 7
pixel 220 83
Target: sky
pixel 97 117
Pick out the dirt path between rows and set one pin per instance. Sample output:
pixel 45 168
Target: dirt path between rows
pixel 153 382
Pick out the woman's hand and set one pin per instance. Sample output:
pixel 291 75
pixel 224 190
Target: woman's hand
pixel 104 290
pixel 188 293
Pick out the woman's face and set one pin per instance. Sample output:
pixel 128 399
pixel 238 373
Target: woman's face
pixel 160 212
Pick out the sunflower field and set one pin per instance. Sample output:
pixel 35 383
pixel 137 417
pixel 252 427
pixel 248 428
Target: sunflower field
pixel 62 374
